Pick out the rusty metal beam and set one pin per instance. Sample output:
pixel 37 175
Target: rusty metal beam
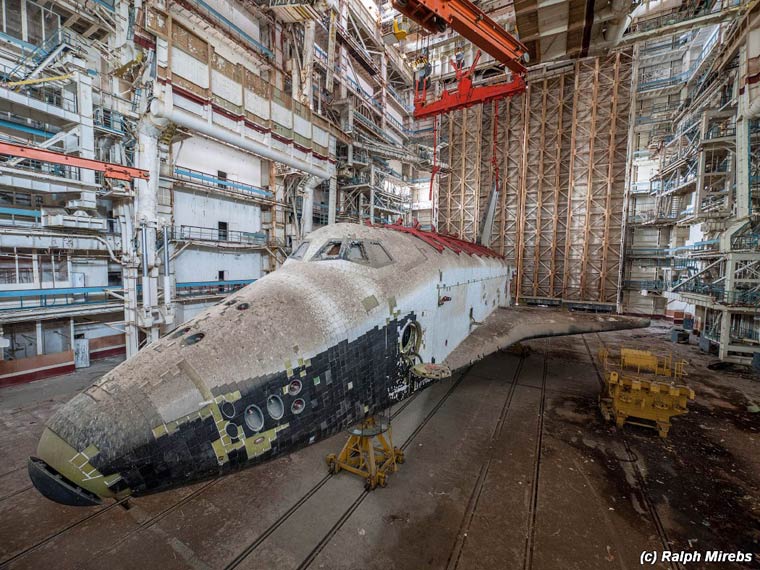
pixel 589 184
pixel 571 181
pixel 109 169
pixel 557 183
pixel 540 190
pixel 610 177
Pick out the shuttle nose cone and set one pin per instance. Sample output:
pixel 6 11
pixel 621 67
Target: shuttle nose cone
pixel 73 463
pixel 54 486
pixel 67 476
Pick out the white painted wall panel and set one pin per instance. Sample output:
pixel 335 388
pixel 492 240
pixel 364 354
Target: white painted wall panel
pixel 256 104
pixel 185 312
pixel 162 52
pixel 282 115
pixel 226 88
pixel 190 68
pixel 95 271
pixel 255 135
pixel 201 265
pixel 226 122
pixel 208 156
pixel 320 137
pixel 187 104
pixel 207 210
pixel 301 126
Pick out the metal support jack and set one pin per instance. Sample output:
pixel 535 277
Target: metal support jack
pixel 368 453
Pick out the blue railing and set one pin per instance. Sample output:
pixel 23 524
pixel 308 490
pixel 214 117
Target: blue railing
pixel 57 296
pixel 197 288
pixel 36 56
pixel 68 296
pixel 106 4
pixel 399 99
pixel 198 233
pixel 216 182
pixel 19 217
pixel 219 17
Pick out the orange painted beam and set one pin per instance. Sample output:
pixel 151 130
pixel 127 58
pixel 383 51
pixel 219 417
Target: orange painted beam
pixel 109 169
pixel 470 22
pixel 466 95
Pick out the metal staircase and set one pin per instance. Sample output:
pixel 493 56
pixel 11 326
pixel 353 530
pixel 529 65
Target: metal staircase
pixel 35 61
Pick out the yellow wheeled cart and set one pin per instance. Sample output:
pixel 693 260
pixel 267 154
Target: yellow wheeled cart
pixel 368 453
pixel 644 389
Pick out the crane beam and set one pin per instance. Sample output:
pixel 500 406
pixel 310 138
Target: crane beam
pixel 35 80
pixel 467 95
pixel 109 169
pixel 470 22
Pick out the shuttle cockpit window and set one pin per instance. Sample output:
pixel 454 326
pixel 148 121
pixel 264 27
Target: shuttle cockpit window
pixel 331 250
pixel 300 250
pixel 377 255
pixel 355 252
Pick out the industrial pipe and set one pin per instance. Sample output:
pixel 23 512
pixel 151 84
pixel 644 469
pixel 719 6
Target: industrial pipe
pixel 307 205
pixel 166 251
pixel 167 276
pixel 184 119
pixel 145 267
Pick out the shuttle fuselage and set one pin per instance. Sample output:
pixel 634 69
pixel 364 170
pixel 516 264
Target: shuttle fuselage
pixel 293 358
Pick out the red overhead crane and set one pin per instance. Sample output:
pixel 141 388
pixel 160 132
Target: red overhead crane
pixel 109 169
pixel 472 23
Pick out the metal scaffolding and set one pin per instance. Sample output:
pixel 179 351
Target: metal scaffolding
pixel 561 152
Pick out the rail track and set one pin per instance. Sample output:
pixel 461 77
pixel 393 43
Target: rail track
pixel 472 504
pixel 530 534
pixel 633 460
pixel 151 521
pixel 332 531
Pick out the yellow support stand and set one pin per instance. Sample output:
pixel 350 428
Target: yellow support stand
pixel 368 453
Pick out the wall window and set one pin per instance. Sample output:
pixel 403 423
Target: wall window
pixel 41 23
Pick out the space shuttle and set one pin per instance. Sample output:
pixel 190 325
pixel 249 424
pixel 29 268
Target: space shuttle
pixel 334 335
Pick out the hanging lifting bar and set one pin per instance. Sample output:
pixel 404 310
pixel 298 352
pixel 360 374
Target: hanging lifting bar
pixel 465 94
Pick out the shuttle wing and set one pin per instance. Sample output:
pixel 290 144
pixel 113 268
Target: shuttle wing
pixel 507 326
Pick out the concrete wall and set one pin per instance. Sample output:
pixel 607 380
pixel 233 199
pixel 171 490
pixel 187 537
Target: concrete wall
pixel 207 156
pixel 93 271
pixel 194 208
pixel 204 265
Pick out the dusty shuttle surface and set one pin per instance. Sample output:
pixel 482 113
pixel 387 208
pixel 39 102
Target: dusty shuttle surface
pixel 295 357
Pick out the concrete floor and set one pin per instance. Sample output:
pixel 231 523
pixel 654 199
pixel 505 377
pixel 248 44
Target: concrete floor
pixel 509 466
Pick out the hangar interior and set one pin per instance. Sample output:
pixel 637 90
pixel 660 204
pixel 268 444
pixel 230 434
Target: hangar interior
pixel 626 171
pixel 157 156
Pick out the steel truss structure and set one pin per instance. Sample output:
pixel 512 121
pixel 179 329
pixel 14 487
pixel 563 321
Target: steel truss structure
pixel 561 153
